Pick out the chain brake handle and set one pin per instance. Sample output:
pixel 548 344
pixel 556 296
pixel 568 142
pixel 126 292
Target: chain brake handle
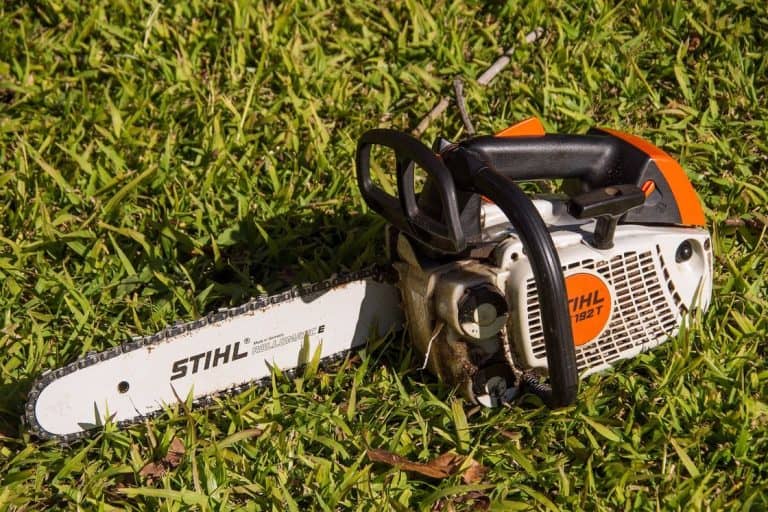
pixel 445 234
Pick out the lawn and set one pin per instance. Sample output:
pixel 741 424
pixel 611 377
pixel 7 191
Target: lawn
pixel 160 160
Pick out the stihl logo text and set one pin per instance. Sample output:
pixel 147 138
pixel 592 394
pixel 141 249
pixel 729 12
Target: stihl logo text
pixel 586 306
pixel 207 360
pixel 589 304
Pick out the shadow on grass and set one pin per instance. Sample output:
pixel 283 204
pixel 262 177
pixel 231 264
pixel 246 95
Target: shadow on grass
pixel 253 257
pixel 13 396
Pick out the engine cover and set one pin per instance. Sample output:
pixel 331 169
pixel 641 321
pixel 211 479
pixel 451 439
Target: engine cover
pixel 621 300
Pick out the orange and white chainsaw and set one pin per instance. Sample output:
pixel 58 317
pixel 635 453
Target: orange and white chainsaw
pixel 501 292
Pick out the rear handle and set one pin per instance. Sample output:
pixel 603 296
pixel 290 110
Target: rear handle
pixel 592 158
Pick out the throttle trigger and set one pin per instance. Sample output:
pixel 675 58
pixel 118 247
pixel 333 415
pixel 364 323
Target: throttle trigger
pixel 607 205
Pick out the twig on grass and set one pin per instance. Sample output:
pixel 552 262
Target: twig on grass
pixel 753 224
pixel 484 79
pixel 458 88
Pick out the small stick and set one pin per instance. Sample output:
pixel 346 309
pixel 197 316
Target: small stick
pixel 754 224
pixel 505 59
pixel 484 79
pixel 433 114
pixel 458 87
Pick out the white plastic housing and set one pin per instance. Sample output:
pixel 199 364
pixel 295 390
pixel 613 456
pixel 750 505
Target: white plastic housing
pixel 651 291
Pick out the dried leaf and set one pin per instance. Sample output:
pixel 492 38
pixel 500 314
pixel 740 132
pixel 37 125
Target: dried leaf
pixel 474 473
pixel 175 453
pixel 155 470
pixel 442 467
pixel 385 457
pixel 477 499
pixel 448 462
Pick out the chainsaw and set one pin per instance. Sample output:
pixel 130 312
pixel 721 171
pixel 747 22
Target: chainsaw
pixel 502 293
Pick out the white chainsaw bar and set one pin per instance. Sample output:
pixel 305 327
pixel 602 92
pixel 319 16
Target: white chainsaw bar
pixel 218 353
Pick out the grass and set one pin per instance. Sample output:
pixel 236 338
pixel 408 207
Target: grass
pixel 160 160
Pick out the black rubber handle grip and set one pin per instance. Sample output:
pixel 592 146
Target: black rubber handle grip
pixel 593 158
pixel 403 212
